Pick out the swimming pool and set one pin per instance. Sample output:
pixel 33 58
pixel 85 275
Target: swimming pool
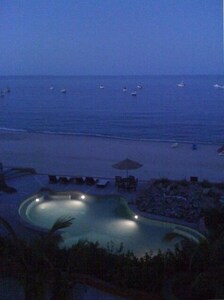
pixel 102 218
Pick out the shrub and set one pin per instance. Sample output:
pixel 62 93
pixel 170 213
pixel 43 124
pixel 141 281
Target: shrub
pixel 184 182
pixel 206 184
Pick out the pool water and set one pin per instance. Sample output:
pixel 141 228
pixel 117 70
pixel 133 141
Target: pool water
pixel 102 219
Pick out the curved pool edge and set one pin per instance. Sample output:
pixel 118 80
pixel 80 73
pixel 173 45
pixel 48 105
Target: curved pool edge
pixel 186 230
pixel 23 221
pixel 178 228
pixel 25 203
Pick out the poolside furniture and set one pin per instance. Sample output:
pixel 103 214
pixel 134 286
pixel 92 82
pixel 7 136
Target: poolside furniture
pixel 131 186
pixel 52 179
pixel 90 181
pixel 63 180
pixel 132 178
pixel 102 183
pixel 131 183
pixel 127 183
pixel 121 184
pixel 118 179
pixel 79 180
pixel 72 180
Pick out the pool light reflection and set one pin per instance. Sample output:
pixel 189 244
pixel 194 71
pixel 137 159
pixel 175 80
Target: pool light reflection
pixel 83 197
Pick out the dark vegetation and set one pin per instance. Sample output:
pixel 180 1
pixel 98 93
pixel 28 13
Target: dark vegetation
pixel 40 265
pixel 180 199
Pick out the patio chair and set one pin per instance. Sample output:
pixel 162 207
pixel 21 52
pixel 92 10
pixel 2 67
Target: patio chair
pixel 52 179
pixel 63 180
pixel 121 184
pixel 72 180
pixel 118 179
pixel 131 178
pixel 90 181
pixel 79 180
pixel 131 185
pixel 102 183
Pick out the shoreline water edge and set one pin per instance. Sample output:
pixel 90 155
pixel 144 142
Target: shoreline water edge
pixel 4 130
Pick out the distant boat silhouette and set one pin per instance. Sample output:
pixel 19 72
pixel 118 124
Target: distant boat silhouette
pixel 134 93
pixel 218 86
pixel 181 84
pixel 125 89
pixel 63 91
pixel 101 86
pixel 139 86
pixel 51 88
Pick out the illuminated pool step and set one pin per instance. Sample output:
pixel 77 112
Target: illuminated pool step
pixel 189 233
pixel 60 197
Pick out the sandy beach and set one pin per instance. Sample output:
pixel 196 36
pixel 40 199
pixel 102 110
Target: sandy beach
pixel 94 156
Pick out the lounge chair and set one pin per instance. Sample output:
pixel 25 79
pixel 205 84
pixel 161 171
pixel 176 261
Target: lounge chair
pixel 102 183
pixel 72 180
pixel 90 181
pixel 52 179
pixel 79 180
pixel 64 180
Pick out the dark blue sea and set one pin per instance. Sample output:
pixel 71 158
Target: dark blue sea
pixel 160 111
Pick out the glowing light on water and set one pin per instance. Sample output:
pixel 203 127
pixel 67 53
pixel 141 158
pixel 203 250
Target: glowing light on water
pixel 55 206
pixel 123 226
pixel 99 222
pixel 76 203
pixel 44 205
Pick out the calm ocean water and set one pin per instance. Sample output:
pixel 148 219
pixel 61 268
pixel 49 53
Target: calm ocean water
pixel 160 111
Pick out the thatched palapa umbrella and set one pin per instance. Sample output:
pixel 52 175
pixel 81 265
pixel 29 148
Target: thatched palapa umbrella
pixel 127 164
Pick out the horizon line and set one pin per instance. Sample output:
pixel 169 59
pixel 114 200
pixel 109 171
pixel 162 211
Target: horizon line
pixel 108 75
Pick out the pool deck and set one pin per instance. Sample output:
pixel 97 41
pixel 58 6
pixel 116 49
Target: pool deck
pixel 28 185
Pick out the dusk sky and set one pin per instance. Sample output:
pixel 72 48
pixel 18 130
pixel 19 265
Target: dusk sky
pixel 111 37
